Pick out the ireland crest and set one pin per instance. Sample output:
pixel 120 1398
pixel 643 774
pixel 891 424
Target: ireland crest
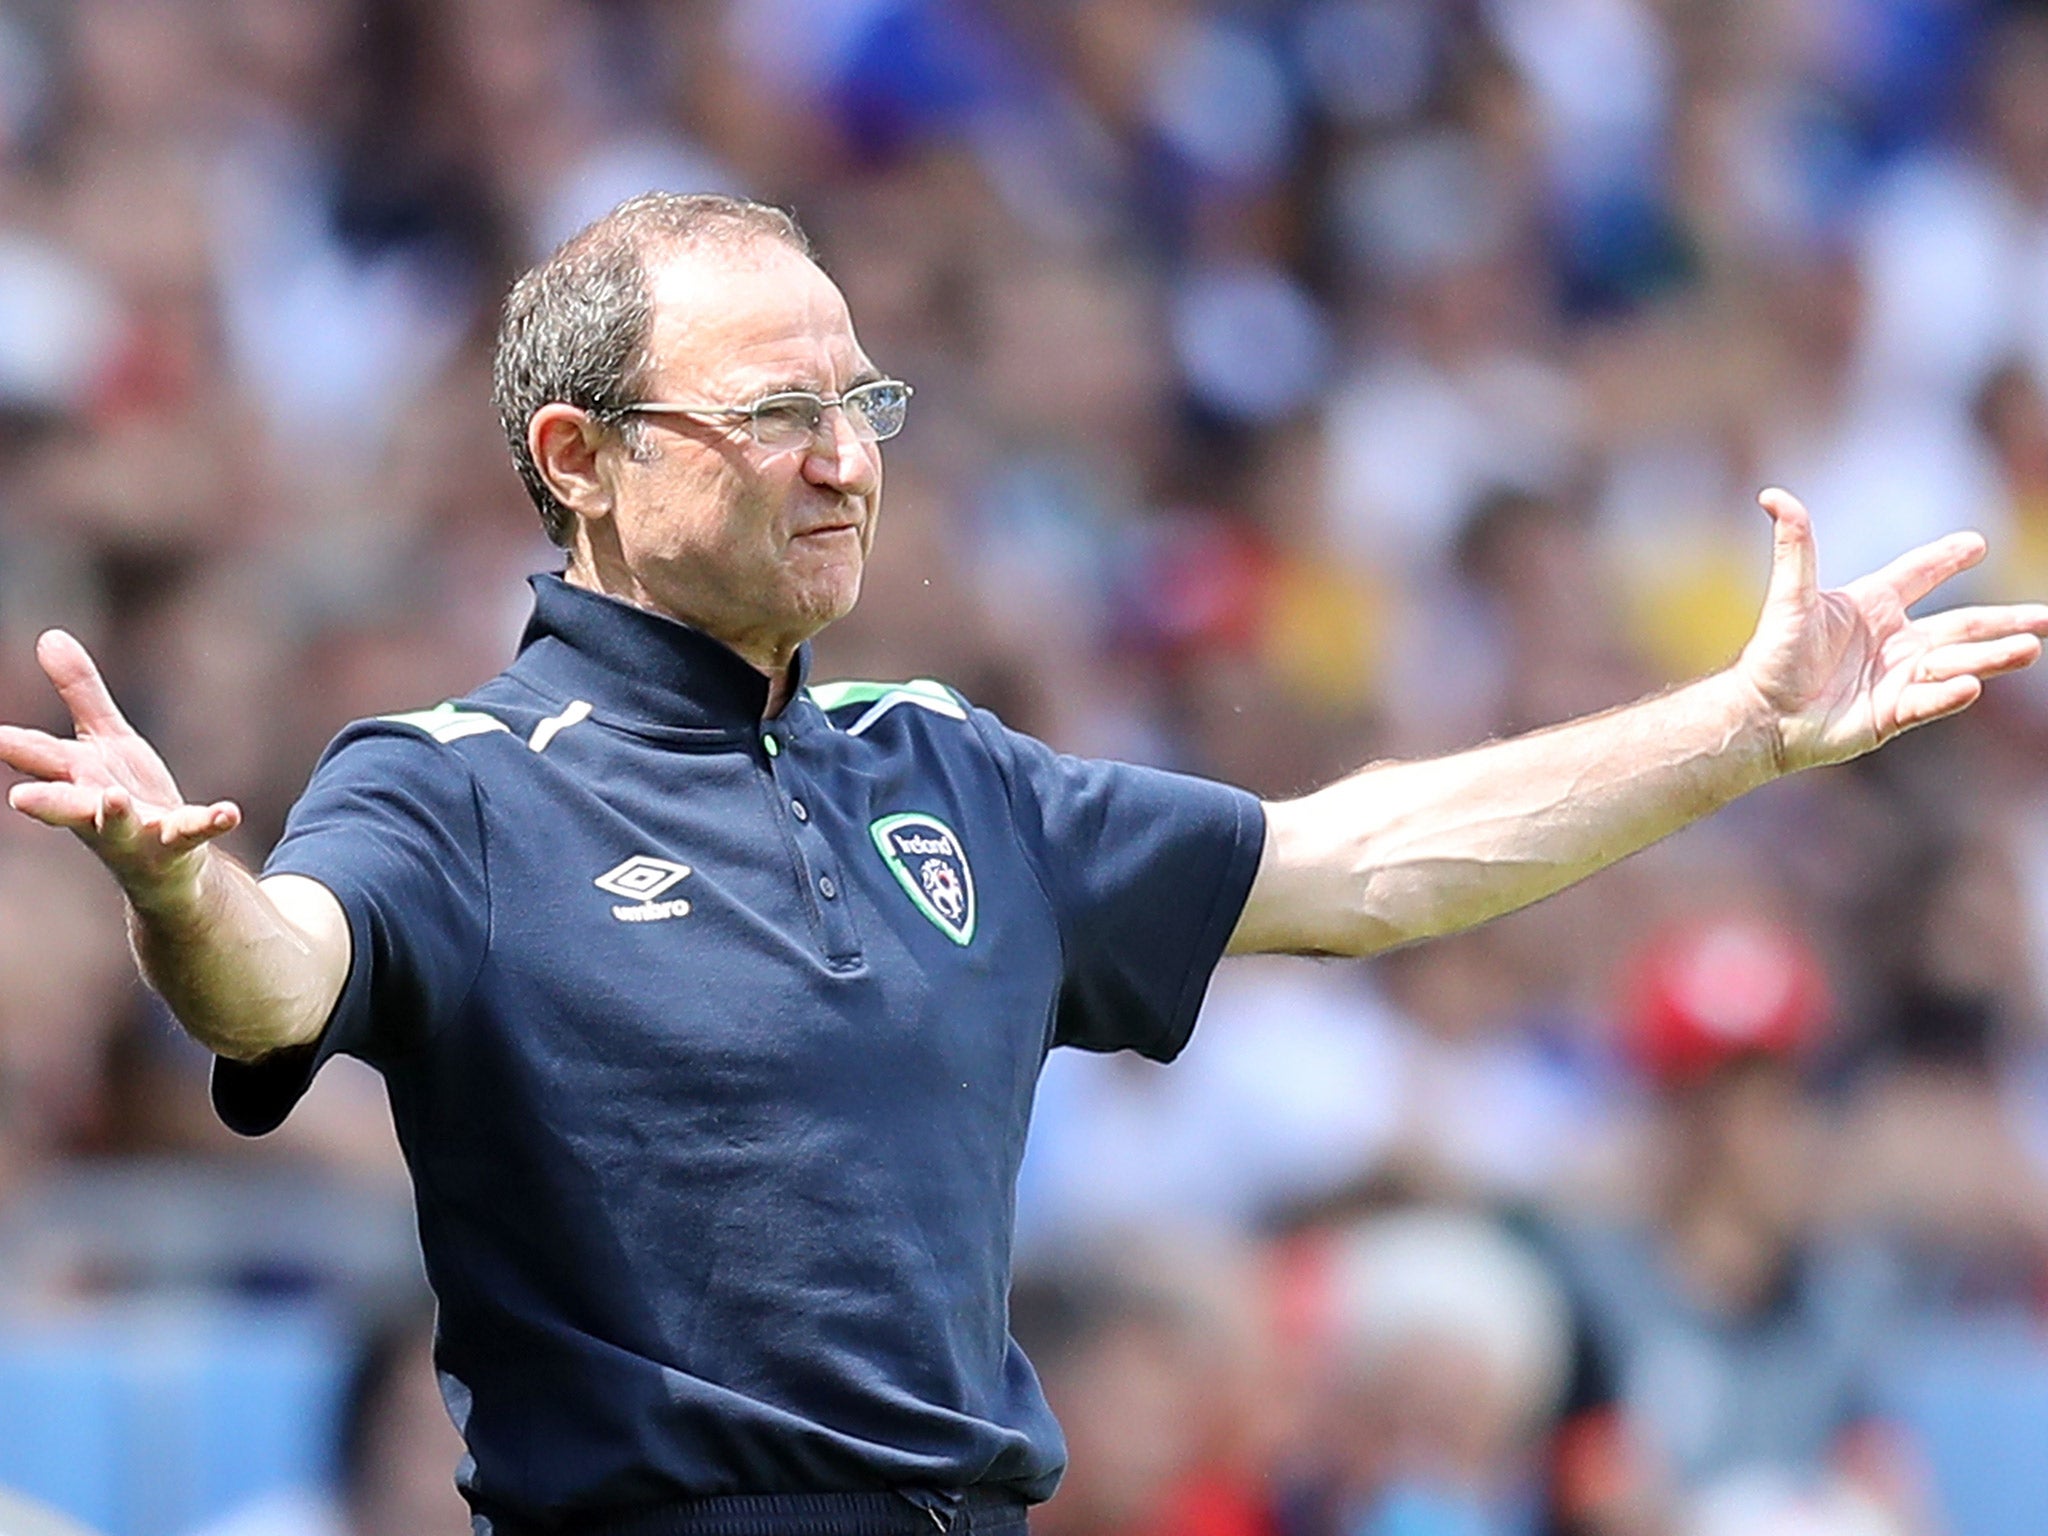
pixel 931 866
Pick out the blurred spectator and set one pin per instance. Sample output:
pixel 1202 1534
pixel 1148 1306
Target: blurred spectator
pixel 395 1463
pixel 2011 412
pixel 1941 1146
pixel 1745 1349
pixel 1442 1349
pixel 1294 1086
pixel 1132 1353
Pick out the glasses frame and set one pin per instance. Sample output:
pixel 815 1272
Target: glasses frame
pixel 751 413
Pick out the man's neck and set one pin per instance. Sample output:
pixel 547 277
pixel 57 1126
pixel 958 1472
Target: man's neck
pixel 777 664
pixel 781 689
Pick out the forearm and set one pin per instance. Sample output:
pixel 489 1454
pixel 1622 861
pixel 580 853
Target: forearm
pixel 1404 851
pixel 243 975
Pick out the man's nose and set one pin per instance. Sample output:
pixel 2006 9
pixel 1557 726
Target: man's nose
pixel 839 458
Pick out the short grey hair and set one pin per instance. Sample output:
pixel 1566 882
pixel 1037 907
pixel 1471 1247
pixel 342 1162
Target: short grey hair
pixel 575 328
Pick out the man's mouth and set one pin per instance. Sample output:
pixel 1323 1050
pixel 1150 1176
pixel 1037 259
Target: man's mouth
pixel 823 529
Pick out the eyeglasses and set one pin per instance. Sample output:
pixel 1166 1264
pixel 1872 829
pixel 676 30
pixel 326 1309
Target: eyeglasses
pixel 795 417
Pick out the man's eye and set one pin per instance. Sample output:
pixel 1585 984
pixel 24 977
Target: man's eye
pixel 787 416
pixel 881 405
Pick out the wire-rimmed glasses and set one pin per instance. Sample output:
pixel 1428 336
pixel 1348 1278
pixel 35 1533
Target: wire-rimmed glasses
pixel 794 418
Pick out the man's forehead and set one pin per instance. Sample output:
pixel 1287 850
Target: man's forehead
pixel 758 303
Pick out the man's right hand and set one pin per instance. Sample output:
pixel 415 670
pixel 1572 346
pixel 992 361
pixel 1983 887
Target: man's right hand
pixel 109 786
pixel 249 968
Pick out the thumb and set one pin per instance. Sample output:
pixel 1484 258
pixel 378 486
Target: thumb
pixel 77 680
pixel 1793 562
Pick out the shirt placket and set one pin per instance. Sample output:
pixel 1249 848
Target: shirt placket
pixel 821 880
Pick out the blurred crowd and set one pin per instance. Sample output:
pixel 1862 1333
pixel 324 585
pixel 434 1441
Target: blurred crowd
pixel 1300 383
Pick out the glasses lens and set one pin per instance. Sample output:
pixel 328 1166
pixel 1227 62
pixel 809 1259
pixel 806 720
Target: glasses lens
pixel 783 421
pixel 878 409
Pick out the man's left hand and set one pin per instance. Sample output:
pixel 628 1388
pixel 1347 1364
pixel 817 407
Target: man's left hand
pixel 1845 670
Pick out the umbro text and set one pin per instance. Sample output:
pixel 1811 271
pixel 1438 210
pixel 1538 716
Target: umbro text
pixel 651 911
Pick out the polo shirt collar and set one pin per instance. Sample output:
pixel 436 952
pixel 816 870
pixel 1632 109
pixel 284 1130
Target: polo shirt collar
pixel 638 665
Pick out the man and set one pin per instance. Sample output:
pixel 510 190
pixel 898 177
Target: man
pixel 711 1004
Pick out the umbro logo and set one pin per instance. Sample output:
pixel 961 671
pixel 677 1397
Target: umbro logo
pixel 644 879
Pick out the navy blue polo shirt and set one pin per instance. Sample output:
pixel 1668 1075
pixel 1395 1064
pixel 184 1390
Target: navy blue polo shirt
pixel 711 1044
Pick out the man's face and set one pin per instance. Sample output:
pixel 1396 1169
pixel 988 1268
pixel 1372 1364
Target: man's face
pixel 759 547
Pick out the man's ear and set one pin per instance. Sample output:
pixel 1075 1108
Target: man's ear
pixel 564 442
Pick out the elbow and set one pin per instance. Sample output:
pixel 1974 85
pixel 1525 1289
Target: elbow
pixel 1321 888
pixel 253 1038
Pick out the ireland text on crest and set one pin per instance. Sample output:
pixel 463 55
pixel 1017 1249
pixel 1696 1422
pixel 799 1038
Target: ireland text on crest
pixel 928 861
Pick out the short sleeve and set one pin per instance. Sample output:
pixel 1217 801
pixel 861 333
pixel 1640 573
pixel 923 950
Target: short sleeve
pixel 392 824
pixel 1148 872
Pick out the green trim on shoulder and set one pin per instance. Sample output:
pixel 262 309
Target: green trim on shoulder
pixel 445 723
pixel 844 695
pixel 880 698
pixel 830 696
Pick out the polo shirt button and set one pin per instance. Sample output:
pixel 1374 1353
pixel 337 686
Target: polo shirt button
pixel 826 888
pixel 798 809
pixel 771 746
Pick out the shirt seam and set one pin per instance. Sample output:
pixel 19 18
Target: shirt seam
pixel 483 853
pixel 483 850
pixel 977 719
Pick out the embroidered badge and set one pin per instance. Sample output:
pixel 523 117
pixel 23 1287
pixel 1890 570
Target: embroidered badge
pixel 931 866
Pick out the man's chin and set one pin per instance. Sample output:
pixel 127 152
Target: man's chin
pixel 830 598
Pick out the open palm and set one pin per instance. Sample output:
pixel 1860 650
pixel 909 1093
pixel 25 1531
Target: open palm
pixel 107 783
pixel 1845 670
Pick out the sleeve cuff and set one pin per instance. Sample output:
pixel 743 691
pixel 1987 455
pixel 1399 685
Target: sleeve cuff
pixel 253 1098
pixel 1226 907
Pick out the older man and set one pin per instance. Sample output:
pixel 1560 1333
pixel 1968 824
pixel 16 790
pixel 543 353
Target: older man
pixel 711 1003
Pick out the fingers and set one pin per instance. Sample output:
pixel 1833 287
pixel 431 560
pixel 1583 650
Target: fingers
pixel 1792 555
pixel 35 752
pixel 1922 702
pixel 117 819
pixel 1978 623
pixel 110 819
pixel 1919 571
pixel 123 824
pixel 1981 658
pixel 1950 677
pixel 1909 578
pixel 78 683
pixel 190 825
pixel 57 805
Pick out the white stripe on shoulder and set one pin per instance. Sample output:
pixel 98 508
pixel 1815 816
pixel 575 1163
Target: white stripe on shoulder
pixel 880 698
pixel 948 706
pixel 446 723
pixel 577 712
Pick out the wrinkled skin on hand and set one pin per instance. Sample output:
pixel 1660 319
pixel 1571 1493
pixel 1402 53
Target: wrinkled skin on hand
pixel 1844 670
pixel 107 784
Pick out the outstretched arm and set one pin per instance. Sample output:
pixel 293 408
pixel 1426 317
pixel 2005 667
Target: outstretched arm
pixel 1403 851
pixel 249 967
